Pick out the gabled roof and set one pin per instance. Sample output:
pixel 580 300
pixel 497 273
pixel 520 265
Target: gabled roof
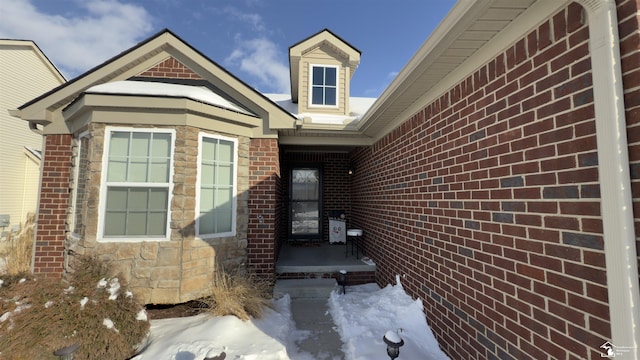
pixel 471 34
pixel 325 36
pixel 34 47
pixel 47 108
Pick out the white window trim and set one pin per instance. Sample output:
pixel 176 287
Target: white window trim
pixel 103 185
pixel 76 175
pixel 310 90
pixel 234 204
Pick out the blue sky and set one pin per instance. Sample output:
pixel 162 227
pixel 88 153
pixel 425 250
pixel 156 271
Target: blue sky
pixel 250 38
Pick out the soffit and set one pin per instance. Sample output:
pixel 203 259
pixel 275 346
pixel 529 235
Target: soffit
pixel 153 110
pixel 470 26
pixel 323 138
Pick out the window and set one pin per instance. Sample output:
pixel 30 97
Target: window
pixel 324 85
pixel 136 183
pixel 216 186
pixel 81 177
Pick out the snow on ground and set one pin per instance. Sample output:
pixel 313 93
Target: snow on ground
pixel 365 313
pixel 195 337
pixel 362 316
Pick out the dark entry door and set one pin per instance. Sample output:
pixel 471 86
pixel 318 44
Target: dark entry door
pixel 305 203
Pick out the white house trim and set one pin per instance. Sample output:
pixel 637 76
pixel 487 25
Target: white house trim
pixel 615 183
pixel 310 104
pixel 234 205
pixel 103 187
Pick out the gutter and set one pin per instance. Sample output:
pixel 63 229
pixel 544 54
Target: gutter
pixel 436 43
pixel 615 183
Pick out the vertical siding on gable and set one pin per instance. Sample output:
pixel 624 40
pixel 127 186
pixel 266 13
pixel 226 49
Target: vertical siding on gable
pixel 487 202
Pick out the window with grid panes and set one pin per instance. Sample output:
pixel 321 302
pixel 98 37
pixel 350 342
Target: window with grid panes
pixel 137 183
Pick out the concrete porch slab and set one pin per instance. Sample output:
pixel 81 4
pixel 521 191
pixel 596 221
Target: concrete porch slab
pixel 319 258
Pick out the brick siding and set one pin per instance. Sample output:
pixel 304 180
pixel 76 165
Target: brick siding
pixel 488 201
pixel 49 252
pixel 170 68
pixel 264 206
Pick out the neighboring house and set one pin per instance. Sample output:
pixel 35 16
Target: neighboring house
pixel 25 72
pixel 496 174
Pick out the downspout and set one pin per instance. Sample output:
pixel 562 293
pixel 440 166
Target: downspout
pixel 34 127
pixel 615 183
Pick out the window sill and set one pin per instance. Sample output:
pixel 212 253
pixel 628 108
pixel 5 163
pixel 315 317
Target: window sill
pixel 127 240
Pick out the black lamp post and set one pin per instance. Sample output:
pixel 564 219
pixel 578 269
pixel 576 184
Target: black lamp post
pixel 342 279
pixel 213 355
pixel 394 342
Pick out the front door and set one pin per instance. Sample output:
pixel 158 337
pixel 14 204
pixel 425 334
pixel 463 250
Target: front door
pixel 305 205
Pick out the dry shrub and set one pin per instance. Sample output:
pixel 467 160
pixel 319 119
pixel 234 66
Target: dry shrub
pixel 239 293
pixel 19 247
pixel 51 316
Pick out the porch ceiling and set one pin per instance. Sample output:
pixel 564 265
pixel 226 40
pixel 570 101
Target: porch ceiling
pixel 327 137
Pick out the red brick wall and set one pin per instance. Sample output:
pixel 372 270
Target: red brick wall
pixel 264 206
pixel 170 68
pixel 488 201
pixel 629 18
pixel 53 206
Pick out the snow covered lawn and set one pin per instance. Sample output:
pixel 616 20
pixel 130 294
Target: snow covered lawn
pixel 365 313
pixel 362 316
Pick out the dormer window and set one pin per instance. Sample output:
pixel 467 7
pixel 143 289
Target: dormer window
pixel 324 85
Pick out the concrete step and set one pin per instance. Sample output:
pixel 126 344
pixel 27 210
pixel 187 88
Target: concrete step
pixel 305 288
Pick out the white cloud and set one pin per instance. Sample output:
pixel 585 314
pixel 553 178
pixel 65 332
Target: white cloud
pixel 255 55
pixel 378 87
pixel 254 20
pixel 81 40
pixel 260 58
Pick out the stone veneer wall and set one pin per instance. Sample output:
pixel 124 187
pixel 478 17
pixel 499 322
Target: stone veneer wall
pixel 164 272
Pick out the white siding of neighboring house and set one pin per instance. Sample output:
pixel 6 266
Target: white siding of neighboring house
pixel 24 74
